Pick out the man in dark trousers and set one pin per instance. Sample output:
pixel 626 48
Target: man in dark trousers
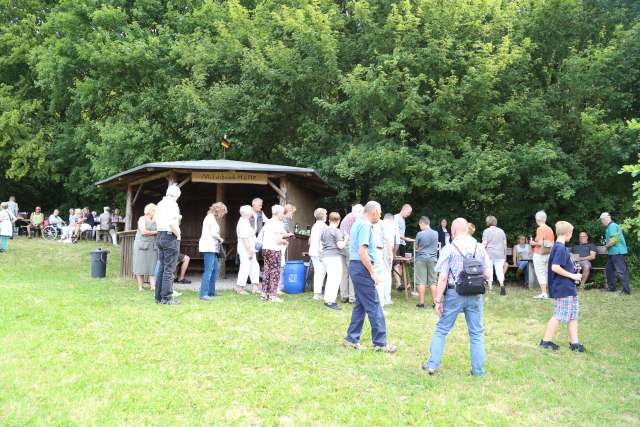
pixel 362 254
pixel 168 242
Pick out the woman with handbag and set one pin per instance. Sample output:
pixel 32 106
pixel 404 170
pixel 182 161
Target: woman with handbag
pixel 542 245
pixel 145 251
pixel 210 246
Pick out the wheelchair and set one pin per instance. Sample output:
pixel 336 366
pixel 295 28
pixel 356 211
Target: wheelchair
pixel 51 232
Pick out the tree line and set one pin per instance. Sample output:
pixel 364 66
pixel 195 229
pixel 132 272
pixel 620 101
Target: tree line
pixel 479 107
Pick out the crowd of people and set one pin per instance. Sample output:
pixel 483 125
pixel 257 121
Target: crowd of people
pixel 78 223
pixel 355 257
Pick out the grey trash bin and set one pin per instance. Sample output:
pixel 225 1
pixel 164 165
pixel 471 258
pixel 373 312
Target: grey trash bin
pixel 99 263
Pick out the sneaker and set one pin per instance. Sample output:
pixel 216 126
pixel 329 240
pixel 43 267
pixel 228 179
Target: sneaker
pixel 503 291
pixel 345 300
pixel 176 294
pixel 577 347
pixel 389 348
pixel 549 345
pixel 170 302
pixel 276 299
pixel 241 291
pixel 354 345
pixel 333 306
pixel 425 367
pixel 317 297
pixel 414 294
pixel 420 305
pixel 541 296
pixel 205 298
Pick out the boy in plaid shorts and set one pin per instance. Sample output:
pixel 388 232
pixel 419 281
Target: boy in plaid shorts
pixel 562 288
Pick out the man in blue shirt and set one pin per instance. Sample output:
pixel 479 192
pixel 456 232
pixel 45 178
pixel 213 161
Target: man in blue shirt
pixel 617 251
pixel 362 255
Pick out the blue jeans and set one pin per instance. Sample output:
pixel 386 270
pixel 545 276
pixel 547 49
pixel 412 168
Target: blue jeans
pixel 367 302
pixel 208 284
pixel 524 266
pixel 472 307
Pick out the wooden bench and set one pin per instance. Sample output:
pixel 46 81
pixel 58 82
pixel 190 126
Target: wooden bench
pixel 533 282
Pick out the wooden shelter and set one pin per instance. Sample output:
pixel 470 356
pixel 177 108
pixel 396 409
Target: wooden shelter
pixel 204 182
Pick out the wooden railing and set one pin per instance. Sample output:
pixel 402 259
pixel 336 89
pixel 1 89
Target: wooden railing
pixel 126 238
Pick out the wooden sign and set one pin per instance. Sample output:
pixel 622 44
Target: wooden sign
pixel 230 177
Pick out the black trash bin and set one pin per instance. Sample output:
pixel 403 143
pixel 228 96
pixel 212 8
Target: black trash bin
pixel 99 263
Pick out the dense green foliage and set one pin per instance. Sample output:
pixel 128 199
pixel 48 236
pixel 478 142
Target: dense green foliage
pixel 460 106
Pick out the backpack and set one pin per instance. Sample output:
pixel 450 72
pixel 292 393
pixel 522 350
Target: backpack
pixel 471 280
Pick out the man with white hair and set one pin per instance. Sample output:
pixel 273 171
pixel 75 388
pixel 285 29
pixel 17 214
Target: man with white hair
pixel 249 267
pixel 617 251
pixel 346 285
pixel 542 245
pixel 362 256
pixel 168 241
pixel 450 268
pixel 258 218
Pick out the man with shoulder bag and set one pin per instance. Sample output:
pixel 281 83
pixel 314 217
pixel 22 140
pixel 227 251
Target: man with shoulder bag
pixel 463 269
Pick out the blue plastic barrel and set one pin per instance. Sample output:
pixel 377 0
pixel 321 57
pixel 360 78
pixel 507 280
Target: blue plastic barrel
pixel 294 277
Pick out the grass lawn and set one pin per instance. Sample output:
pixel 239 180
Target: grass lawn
pixel 77 351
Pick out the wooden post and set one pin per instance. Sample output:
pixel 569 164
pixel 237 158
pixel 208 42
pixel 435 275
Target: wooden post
pixel 222 224
pixel 128 215
pixel 283 188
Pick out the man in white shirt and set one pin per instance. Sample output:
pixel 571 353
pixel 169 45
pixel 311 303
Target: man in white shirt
pixel 168 241
pixel 391 242
pixel 55 220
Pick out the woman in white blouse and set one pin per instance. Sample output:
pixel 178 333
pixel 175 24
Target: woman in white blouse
pixel 315 249
pixel 209 245
pixel 273 243
pixel 249 267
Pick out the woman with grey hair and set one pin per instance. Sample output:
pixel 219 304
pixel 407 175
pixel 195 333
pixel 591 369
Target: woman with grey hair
pixel 495 242
pixel 542 245
pixel 6 225
pixel 145 251
pixel 249 267
pixel 315 251
pixel 273 243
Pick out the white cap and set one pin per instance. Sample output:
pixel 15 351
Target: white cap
pixel 604 215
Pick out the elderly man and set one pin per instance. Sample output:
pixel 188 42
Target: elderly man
pixel 168 241
pixel 617 251
pixel 586 252
pixel 449 269
pixel 391 243
pixel 105 226
pixel 258 218
pixel 36 221
pixel 362 255
pixel 347 292
pixel 56 221
pixel 12 207
pixel 399 219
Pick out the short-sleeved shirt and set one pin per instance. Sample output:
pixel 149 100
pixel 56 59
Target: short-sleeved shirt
pixel 55 220
pixel 167 212
pixel 244 230
pixel 347 223
pixel 560 286
pixel 37 218
pixel 89 219
pixel 391 233
pixel 614 231
pixel 361 234
pixel 427 245
pixel 105 221
pixel 452 256
pixel 12 207
pixel 402 226
pixel 543 232
pixel 272 230
pixel 315 247
pixel 329 240
pixel 496 243
pixel 584 250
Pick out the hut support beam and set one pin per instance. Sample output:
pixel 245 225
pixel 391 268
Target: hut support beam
pixel 281 194
pixel 129 209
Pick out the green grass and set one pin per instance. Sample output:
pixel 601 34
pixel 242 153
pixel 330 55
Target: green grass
pixel 77 351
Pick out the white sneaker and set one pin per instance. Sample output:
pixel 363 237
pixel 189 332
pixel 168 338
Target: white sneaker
pixel 276 299
pixel 176 294
pixel 541 296
pixel 317 297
